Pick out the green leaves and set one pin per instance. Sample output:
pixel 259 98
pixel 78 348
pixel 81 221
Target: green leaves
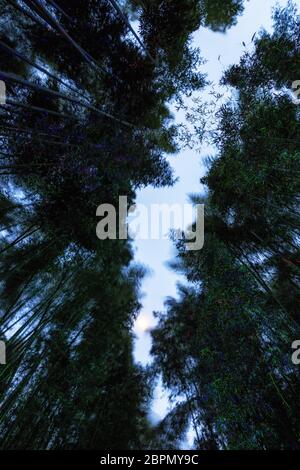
pixel 230 331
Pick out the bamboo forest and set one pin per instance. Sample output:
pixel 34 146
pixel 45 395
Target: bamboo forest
pixel 91 95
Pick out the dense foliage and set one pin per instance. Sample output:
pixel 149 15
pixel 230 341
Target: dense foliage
pixel 224 347
pixel 86 120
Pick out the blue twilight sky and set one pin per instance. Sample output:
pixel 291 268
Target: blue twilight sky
pixel 188 166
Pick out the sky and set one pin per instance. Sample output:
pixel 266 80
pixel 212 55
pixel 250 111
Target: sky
pixel 220 51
